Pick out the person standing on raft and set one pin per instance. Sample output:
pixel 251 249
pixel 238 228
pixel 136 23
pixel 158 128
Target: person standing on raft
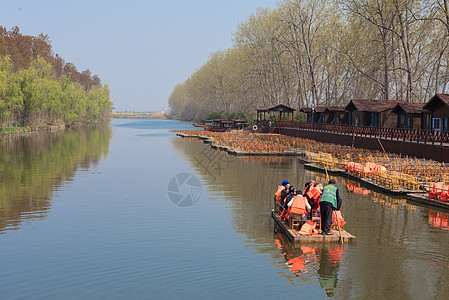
pixel 330 201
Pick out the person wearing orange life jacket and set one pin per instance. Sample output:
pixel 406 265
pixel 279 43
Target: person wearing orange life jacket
pixel 309 185
pixel 313 192
pixel 291 193
pixel 285 193
pixel 330 201
pixel 298 205
pixel 284 186
pixel 316 196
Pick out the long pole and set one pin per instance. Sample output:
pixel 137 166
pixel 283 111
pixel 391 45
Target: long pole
pixel 339 228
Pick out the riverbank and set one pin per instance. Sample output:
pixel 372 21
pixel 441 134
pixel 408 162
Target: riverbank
pixel 23 130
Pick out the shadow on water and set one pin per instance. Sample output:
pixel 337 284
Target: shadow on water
pixel 32 167
pixel 400 247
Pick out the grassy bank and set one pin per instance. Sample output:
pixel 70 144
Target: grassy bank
pixel 10 131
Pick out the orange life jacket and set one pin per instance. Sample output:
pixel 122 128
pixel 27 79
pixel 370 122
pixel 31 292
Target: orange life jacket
pixel 308 228
pixel 340 218
pixel 277 195
pixel 298 205
pixel 314 193
pixel 304 192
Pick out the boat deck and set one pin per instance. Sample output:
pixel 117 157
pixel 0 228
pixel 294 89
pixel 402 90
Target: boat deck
pixel 295 237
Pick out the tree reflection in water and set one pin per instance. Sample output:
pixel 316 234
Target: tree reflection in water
pixel 32 167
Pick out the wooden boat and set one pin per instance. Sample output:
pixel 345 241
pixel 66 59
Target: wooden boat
pixel 199 125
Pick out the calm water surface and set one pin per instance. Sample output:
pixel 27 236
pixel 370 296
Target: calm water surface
pixel 86 214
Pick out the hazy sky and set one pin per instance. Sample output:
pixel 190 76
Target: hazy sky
pixel 142 49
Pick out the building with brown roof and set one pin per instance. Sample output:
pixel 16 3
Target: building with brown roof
pixel 372 113
pixel 284 112
pixel 438 106
pixel 412 116
pixel 316 115
pixel 337 115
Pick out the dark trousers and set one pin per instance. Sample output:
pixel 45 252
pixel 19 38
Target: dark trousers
pixel 326 210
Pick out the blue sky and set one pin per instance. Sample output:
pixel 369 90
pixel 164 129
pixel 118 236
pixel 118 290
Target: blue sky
pixel 142 49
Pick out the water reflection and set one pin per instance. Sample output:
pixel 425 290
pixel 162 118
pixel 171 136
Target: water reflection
pixel 393 203
pixel 396 240
pixel 32 167
pixel 313 261
pixel 439 220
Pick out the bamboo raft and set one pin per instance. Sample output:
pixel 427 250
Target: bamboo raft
pixel 295 237
pixel 238 152
pixel 405 176
pixel 339 172
pixel 423 198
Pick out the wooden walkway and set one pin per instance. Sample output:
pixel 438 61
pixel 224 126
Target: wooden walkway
pixel 295 237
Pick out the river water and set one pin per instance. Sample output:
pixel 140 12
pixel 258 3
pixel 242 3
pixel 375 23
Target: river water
pixel 132 211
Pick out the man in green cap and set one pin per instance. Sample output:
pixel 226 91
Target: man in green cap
pixel 330 201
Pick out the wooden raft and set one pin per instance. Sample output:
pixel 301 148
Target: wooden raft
pixel 295 237
pixel 238 152
pixel 423 198
pixel 370 184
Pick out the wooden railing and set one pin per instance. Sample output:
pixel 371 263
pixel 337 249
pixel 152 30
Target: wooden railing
pixel 400 134
pixel 279 209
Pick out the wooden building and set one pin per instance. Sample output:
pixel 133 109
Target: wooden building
pixel 317 115
pixel 438 107
pixel 433 115
pixel 372 113
pixel 336 115
pixel 412 116
pixel 279 111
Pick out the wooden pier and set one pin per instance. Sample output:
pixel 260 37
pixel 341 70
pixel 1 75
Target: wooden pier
pixel 295 237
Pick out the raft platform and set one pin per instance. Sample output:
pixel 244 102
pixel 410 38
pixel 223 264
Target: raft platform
pixel 238 152
pixel 423 198
pixel 367 183
pixel 295 237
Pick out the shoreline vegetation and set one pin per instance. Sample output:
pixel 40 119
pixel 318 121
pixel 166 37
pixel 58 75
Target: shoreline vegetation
pixel 24 130
pixel 39 89
pixel 316 53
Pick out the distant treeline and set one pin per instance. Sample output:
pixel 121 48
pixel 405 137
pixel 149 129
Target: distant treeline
pixel 308 53
pixel 39 88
